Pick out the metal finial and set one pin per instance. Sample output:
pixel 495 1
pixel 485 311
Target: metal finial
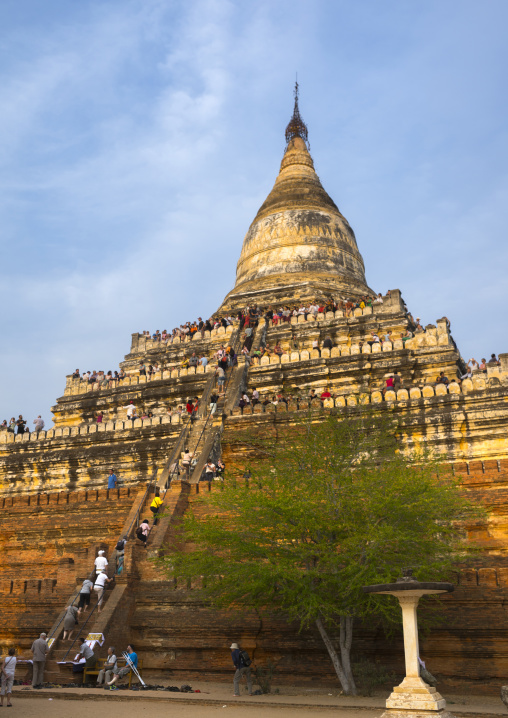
pixel 296 126
pixel 407 576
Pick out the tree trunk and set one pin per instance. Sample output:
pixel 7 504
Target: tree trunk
pixel 346 640
pixel 337 664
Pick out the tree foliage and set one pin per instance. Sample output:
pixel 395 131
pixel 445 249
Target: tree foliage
pixel 330 508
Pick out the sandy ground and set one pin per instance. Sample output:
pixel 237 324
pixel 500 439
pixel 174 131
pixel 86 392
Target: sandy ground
pixel 290 702
pixel 37 708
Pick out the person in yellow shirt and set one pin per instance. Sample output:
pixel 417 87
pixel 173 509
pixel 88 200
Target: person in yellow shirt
pixel 155 506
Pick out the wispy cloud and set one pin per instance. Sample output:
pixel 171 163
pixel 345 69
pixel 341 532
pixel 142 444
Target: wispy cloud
pixel 138 138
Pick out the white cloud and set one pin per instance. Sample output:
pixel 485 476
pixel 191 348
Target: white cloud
pixel 139 139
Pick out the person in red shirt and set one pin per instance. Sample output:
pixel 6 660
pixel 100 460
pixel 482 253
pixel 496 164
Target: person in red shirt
pixel 389 384
pixel 326 394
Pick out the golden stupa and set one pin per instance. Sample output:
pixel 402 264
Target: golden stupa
pixel 299 245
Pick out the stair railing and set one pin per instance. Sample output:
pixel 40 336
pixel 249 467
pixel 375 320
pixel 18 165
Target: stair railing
pixel 209 414
pixel 135 520
pixel 81 630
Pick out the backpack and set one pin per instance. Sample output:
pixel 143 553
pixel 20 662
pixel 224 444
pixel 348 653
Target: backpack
pixel 139 532
pixel 120 545
pixel 244 658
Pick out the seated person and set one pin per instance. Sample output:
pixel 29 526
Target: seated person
pixel 278 349
pixel 389 384
pixel 122 672
pixel 110 665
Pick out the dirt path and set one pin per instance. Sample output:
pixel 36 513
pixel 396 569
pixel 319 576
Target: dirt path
pixel 41 707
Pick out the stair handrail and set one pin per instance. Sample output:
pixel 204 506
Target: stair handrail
pixel 235 344
pixel 174 453
pixel 54 628
pixel 81 629
pixel 141 503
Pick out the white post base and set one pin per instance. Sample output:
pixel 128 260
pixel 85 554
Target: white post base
pixel 415 714
pixel 415 699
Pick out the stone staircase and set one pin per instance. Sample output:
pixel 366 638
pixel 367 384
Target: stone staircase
pixel 202 438
pixel 112 605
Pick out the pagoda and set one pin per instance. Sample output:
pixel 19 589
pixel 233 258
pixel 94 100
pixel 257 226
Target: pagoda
pixel 57 512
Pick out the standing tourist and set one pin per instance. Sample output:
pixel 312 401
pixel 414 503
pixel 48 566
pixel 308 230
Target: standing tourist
pixel 209 471
pixel 221 468
pixel 120 554
pixel 100 562
pixel 112 480
pixel 131 411
pixel 241 662
pixel 99 588
pixel 84 595
pixel 70 620
pixel 39 423
pixel 155 506
pixel 143 530
pixel 214 398
pixel 7 671
pixel 186 462
pixel 221 379
pixel 39 651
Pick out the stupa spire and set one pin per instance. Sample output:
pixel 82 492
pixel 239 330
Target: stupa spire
pixel 296 126
pixel 299 245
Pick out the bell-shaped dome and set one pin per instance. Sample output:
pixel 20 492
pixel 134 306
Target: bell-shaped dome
pixel 299 244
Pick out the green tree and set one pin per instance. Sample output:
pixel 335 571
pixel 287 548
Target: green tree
pixel 331 507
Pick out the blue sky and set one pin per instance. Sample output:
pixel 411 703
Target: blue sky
pixel 139 137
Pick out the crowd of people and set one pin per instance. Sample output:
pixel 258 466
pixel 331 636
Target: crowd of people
pixel 251 315
pixel 393 382
pixel 247 320
pixel 20 425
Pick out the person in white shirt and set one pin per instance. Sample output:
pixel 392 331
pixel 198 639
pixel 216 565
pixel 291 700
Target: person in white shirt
pixel 110 665
pixel 39 423
pixel 99 587
pixel 131 410
pixel 209 471
pixel 101 562
pixel 7 672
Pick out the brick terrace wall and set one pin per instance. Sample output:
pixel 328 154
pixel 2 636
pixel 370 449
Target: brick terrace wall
pixel 176 631
pixel 48 543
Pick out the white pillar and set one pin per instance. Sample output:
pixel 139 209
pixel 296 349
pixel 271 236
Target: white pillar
pixel 410 628
pixel 413 698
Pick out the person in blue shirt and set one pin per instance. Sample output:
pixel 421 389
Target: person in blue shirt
pixel 121 672
pixel 241 670
pixel 112 481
